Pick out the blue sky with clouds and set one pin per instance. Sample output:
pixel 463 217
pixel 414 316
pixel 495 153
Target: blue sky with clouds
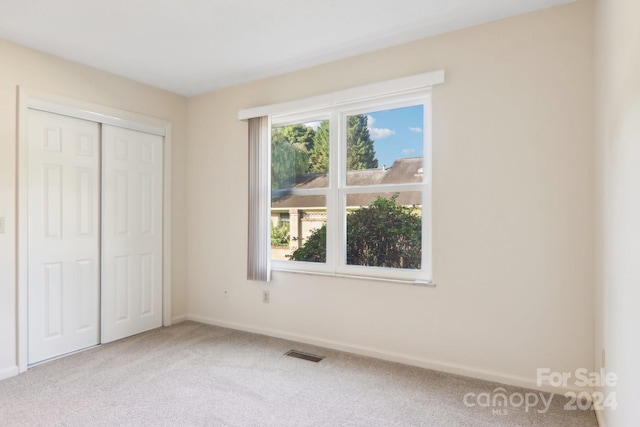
pixel 397 133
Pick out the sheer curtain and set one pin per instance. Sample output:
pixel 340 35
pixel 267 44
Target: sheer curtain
pixel 259 243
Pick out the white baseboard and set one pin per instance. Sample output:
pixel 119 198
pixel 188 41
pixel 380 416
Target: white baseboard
pixel 600 418
pixel 179 319
pixel 8 372
pixel 435 365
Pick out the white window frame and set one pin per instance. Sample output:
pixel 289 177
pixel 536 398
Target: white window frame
pixel 337 191
pixel 299 110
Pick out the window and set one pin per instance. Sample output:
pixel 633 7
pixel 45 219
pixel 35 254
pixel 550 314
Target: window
pixel 285 218
pixel 352 172
pixel 353 182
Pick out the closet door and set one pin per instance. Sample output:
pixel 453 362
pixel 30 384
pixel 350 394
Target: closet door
pixel 132 167
pixel 63 235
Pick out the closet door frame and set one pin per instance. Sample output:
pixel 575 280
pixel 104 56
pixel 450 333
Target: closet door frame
pixel 38 100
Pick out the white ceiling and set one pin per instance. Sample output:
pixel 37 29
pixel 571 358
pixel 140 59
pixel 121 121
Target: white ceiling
pixel 195 46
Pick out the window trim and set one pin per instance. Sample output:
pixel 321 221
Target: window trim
pixel 337 190
pixel 369 92
pixel 366 92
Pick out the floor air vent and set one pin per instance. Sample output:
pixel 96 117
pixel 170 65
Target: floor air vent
pixel 305 356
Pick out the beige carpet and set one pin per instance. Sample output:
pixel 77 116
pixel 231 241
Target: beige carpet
pixel 192 374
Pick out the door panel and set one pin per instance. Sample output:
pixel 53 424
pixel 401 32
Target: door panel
pixel 132 166
pixel 63 239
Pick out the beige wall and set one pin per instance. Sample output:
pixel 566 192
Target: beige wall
pixel 513 200
pixel 513 208
pixel 26 67
pixel 618 287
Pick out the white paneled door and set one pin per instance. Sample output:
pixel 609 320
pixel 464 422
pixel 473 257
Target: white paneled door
pixel 95 224
pixel 63 235
pixel 132 167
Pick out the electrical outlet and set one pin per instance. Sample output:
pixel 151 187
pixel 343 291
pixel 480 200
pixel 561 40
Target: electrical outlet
pixel 265 297
pixel 2 224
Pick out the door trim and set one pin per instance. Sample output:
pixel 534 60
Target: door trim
pixel 34 99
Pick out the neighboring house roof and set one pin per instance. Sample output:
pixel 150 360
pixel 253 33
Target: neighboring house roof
pixel 403 171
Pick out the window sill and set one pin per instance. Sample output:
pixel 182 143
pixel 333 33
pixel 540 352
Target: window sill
pixel 422 283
